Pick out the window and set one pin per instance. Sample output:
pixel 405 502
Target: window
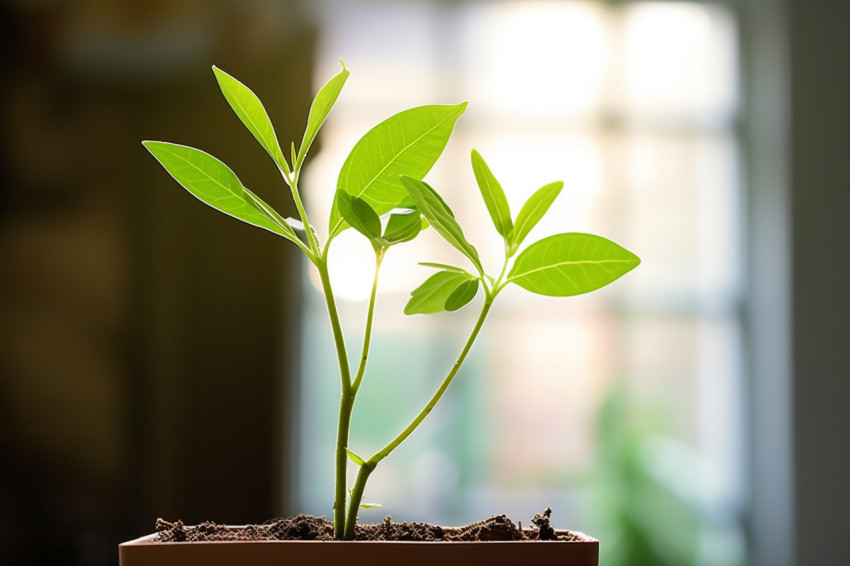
pixel 617 408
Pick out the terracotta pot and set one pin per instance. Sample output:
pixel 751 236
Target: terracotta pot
pixel 144 552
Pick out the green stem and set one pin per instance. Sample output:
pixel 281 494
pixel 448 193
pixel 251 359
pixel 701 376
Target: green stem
pixel 339 340
pixel 370 464
pixel 290 177
pixel 498 284
pixel 356 497
pixel 346 403
pixel 302 213
pixel 346 407
pixel 367 337
pixel 385 451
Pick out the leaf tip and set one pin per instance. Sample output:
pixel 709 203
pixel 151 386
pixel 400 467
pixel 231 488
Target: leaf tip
pixel 410 308
pixel 151 144
pixel 408 181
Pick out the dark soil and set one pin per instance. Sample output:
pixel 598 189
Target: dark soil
pixel 308 527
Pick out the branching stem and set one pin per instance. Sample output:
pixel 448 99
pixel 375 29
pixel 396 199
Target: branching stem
pixel 346 403
pixel 349 388
pixel 370 464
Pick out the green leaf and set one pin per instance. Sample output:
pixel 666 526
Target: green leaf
pixel 464 293
pixel 212 182
pixel 437 212
pixel 370 505
pixel 432 295
pixel 494 196
pixel 531 212
pixel 445 266
pixel 250 110
pixel 319 110
pixel 403 226
pixel 354 457
pixel 408 143
pixel 571 264
pixel 358 214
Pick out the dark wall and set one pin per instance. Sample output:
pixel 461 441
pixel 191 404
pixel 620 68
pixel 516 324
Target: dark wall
pixel 143 353
pixel 820 212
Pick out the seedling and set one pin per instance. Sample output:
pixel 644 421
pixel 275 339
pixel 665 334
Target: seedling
pixel 380 193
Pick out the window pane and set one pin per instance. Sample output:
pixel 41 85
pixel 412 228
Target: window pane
pixel 679 62
pixel 508 75
pixel 592 405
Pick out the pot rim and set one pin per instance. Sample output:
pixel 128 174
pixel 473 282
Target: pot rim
pixel 148 540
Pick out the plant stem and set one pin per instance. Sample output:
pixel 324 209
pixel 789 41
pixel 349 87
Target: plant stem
pixel 339 340
pixel 346 407
pixel 385 451
pixel 291 179
pixel 356 497
pixel 346 402
pixel 370 464
pixel 367 337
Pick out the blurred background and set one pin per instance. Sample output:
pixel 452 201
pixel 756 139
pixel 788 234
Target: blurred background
pixel 158 359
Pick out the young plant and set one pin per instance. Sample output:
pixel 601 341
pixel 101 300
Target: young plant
pixel 382 178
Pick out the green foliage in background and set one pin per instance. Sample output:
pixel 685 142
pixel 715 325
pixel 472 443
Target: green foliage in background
pixel 650 501
pixel 380 194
